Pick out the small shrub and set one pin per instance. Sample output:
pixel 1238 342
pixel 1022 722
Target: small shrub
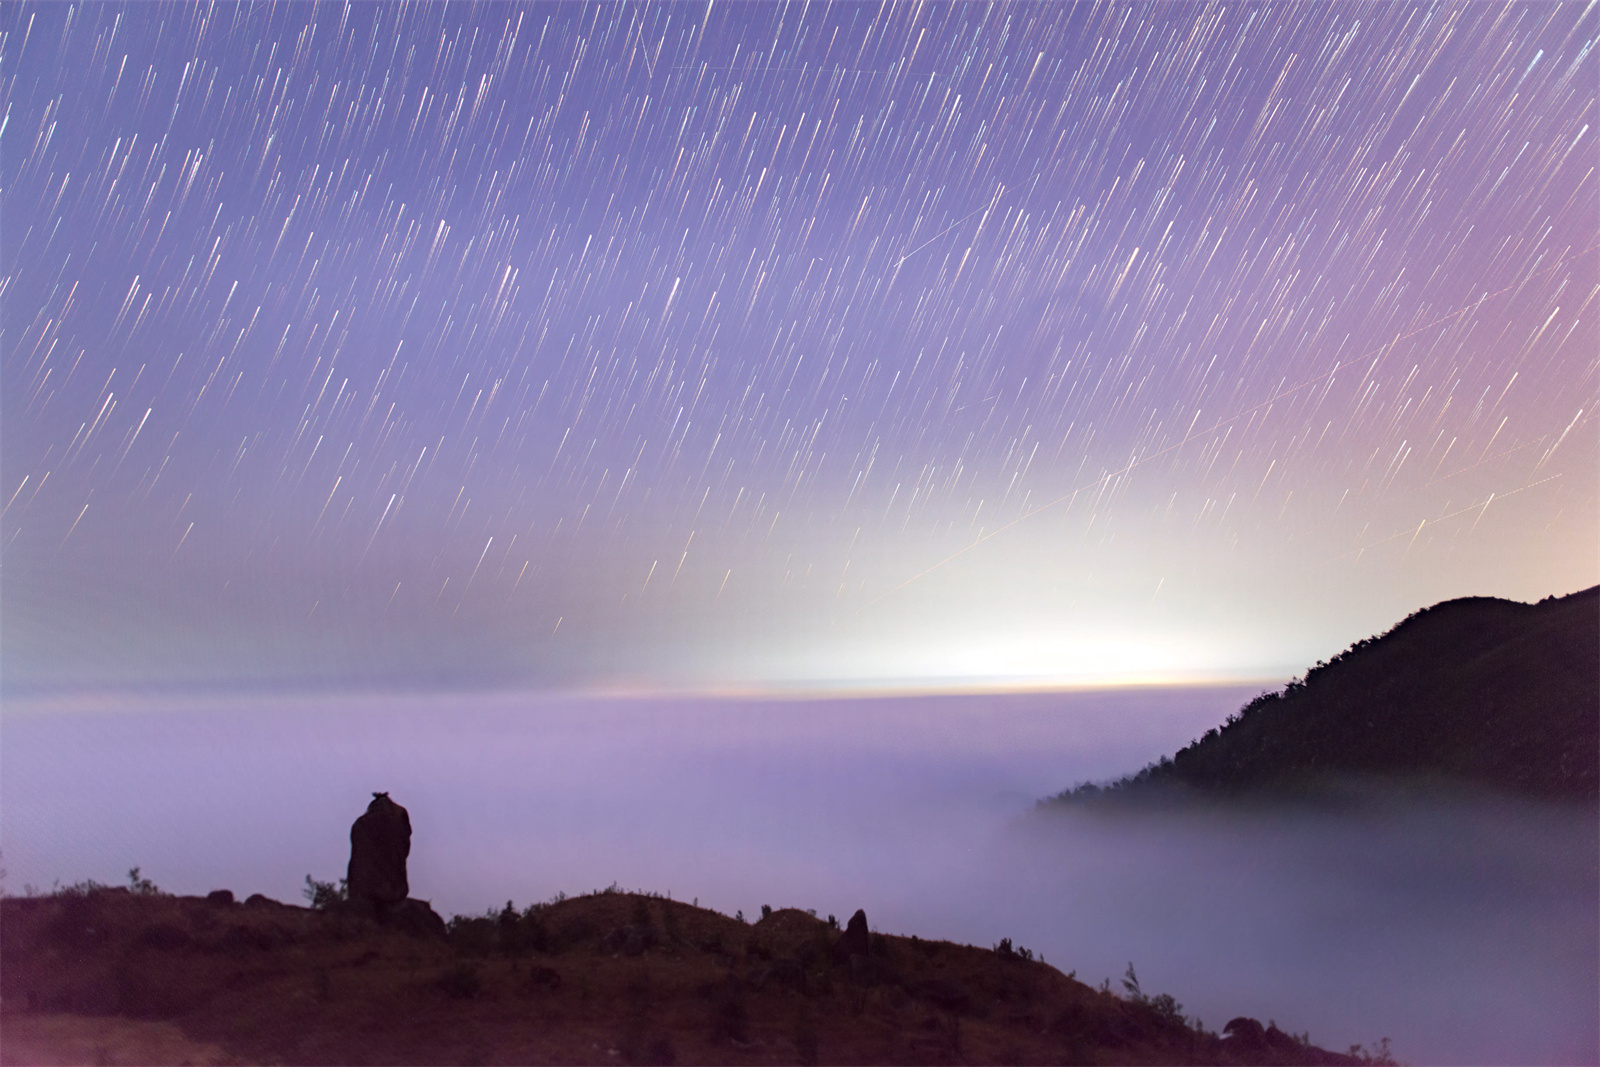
pixel 1378 1057
pixel 529 932
pixel 1130 983
pixel 1162 1005
pixel 142 886
pixel 766 911
pixel 477 934
pixel 323 896
pixel 1166 1007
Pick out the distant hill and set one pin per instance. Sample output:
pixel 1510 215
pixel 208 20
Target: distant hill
pixel 1477 691
pixel 96 975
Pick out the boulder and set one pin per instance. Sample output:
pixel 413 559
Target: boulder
pixel 1245 1036
pixel 856 939
pixel 380 842
pixel 414 917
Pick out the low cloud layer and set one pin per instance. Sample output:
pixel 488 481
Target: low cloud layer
pixel 1464 930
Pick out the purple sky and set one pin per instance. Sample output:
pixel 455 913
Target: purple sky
pixel 754 345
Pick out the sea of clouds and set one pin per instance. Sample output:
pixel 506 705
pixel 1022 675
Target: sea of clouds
pixel 1465 929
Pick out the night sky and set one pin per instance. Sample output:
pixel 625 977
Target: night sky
pixel 674 346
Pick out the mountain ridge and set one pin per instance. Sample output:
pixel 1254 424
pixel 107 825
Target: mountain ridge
pixel 95 974
pixel 1475 692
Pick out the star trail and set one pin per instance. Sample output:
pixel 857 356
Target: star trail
pixel 795 344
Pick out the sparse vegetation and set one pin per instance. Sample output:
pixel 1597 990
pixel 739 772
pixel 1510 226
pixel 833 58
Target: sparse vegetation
pixel 1162 1004
pixel 142 886
pixel 1381 1056
pixel 539 982
pixel 1006 952
pixel 325 896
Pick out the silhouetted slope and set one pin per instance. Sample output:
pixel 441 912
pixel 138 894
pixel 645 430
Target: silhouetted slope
pixel 108 976
pixel 1478 690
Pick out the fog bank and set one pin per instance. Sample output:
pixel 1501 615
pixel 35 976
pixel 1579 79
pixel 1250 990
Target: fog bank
pixel 1463 929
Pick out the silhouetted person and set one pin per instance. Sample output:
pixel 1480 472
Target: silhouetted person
pixel 380 841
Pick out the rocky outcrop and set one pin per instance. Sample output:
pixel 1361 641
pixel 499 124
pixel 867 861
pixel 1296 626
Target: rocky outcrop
pixel 856 939
pixel 414 917
pixel 380 842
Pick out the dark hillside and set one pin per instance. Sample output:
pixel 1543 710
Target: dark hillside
pixel 1477 691
pixel 95 975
